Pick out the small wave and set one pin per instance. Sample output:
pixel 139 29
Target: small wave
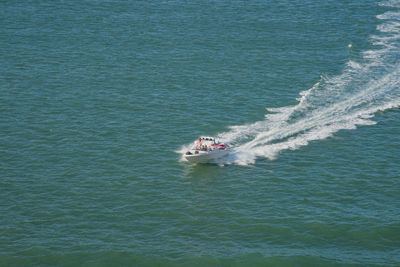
pixel 390 3
pixel 392 15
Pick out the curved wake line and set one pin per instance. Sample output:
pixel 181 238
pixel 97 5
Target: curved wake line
pixel 332 104
pixel 317 125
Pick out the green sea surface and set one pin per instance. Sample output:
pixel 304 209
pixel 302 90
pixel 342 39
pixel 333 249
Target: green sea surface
pixel 100 99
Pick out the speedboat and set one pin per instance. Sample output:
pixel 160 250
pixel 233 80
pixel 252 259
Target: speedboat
pixel 206 150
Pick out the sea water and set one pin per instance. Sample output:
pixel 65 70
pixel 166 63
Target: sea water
pixel 100 99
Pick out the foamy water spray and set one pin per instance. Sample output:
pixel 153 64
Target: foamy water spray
pixel 338 103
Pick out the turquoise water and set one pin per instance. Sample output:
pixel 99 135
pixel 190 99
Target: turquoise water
pixel 99 99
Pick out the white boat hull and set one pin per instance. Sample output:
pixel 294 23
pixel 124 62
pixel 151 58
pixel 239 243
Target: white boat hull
pixel 206 157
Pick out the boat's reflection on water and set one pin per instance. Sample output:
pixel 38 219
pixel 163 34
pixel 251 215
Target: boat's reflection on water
pixel 202 170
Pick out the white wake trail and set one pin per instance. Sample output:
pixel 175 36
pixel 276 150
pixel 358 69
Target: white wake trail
pixel 332 104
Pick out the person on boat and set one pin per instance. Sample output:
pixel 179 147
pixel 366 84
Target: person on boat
pixel 198 146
